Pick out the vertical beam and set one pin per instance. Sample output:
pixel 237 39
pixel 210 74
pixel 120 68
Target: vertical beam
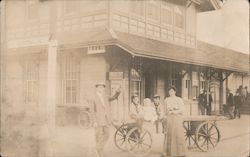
pixel 221 92
pixel 51 93
pixel 2 48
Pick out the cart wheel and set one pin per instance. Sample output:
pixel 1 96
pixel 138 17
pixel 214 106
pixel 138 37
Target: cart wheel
pixel 207 136
pixel 85 119
pixel 189 134
pixel 138 142
pixel 120 137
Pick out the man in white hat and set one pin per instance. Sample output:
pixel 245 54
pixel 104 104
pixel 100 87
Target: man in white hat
pixel 102 115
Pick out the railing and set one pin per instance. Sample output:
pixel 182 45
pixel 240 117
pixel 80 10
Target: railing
pixel 124 23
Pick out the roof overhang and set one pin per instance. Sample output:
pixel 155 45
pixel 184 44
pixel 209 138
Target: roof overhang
pixel 207 5
pixel 204 54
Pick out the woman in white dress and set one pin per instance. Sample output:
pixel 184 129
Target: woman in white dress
pixel 174 135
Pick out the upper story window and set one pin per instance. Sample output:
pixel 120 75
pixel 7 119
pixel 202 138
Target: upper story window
pixel 33 10
pixel 137 7
pixel 153 10
pixel 167 13
pixel 70 6
pixel 179 17
pixel 31 81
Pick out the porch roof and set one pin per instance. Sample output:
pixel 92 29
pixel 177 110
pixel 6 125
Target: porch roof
pixel 204 55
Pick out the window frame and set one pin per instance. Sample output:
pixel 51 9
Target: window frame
pixel 69 75
pixel 31 76
pixel 167 6
pixel 138 4
pixel 29 4
pixel 182 9
pixel 154 5
pixel 75 11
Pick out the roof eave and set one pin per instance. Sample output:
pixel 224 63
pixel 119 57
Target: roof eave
pixel 207 5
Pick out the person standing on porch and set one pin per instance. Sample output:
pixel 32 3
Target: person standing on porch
pixel 208 102
pixel 101 116
pixel 202 102
pixel 174 143
pixel 230 103
pixel 239 100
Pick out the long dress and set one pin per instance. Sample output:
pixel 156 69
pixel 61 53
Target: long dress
pixel 174 144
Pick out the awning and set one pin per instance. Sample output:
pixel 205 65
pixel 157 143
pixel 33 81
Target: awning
pixel 204 55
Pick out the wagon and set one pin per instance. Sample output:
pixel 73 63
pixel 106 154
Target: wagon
pixel 134 139
pixel 199 131
pixel 202 131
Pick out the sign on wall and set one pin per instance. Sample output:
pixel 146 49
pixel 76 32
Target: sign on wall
pixel 115 75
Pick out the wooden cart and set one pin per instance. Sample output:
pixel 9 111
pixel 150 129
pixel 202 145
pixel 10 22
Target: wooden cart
pixel 202 131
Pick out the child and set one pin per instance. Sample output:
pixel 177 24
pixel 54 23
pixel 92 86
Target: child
pixel 149 113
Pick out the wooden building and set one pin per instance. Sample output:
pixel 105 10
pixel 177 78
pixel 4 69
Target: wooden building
pixel 55 52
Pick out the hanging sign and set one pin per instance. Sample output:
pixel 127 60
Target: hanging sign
pixel 95 49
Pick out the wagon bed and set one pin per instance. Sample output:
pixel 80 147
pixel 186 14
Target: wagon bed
pixel 204 118
pixel 202 131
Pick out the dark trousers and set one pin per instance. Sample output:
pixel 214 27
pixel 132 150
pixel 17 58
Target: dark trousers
pixel 209 109
pixel 157 123
pixel 202 109
pixel 237 111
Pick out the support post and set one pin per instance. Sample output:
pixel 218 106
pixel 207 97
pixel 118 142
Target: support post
pixel 51 93
pixel 221 92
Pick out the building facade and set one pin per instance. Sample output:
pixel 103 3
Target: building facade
pixel 55 51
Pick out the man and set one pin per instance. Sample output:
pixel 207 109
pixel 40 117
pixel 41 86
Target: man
pixel 159 111
pixel 202 102
pixel 208 97
pixel 238 102
pixel 230 103
pixel 102 116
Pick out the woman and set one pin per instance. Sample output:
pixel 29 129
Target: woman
pixel 174 135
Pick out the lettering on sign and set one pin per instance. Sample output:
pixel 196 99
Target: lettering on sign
pixel 96 49
pixel 115 75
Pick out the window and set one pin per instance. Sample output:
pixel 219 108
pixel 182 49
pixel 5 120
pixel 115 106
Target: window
pixel 152 10
pixel 137 7
pixel 202 84
pixel 70 69
pixel 70 6
pixel 179 17
pixel 166 13
pixel 175 78
pixel 31 81
pixel 33 10
pixel 188 88
pixel 135 82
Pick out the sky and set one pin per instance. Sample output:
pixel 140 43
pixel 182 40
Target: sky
pixel 227 27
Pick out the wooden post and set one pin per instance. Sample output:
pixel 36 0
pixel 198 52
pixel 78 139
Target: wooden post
pixel 2 50
pixel 51 93
pixel 221 92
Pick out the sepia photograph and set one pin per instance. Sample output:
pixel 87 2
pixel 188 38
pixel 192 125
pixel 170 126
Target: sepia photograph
pixel 124 78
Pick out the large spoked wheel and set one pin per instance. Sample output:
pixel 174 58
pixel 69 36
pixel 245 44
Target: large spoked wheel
pixel 189 134
pixel 207 136
pixel 138 142
pixel 120 137
pixel 85 119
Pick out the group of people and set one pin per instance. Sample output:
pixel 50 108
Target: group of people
pixel 234 102
pixel 168 114
pixel 205 102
